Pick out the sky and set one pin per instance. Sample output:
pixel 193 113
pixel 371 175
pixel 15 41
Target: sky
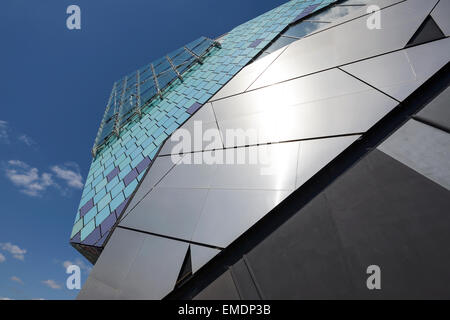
pixel 54 84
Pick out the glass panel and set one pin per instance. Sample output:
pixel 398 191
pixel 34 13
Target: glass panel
pixel 303 28
pixel 280 43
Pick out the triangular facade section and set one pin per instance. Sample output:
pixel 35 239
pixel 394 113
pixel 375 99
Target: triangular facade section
pixel 427 32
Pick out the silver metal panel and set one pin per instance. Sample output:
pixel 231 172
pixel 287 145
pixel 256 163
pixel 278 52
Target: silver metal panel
pixel 400 73
pixel 266 167
pixel 326 104
pixel 438 110
pixel 229 213
pixel 422 148
pixel 441 15
pixel 116 259
pixel 155 270
pixel 204 114
pixel 159 168
pixel 246 76
pixel 198 136
pixel 188 174
pixel 169 212
pixel 351 12
pixel 201 255
pixel 97 290
pixel 348 42
pixel 316 154
pixel 320 86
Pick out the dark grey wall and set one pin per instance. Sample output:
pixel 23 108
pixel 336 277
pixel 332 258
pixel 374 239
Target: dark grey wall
pixel 379 212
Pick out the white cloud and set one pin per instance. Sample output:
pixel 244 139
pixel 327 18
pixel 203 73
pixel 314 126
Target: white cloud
pixel 52 284
pixel 4 138
pixel 83 266
pixel 4 298
pixel 2 258
pixel 14 250
pixel 17 279
pixel 27 178
pixel 72 178
pixel 26 139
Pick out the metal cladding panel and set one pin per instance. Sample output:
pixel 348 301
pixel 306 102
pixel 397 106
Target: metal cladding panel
pixel 422 148
pixel 400 73
pixel 348 42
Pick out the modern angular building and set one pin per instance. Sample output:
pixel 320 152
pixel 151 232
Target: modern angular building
pixel 279 161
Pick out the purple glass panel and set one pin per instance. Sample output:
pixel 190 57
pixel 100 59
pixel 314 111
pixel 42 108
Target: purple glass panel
pixel 76 238
pixel 305 12
pixel 195 106
pixel 112 174
pixel 143 165
pixel 130 177
pixel 102 240
pixel 108 223
pixel 120 208
pixel 93 237
pixel 255 43
pixel 88 206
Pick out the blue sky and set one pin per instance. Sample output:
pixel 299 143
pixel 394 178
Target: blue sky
pixel 54 85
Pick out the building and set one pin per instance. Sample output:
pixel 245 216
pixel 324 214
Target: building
pixel 315 145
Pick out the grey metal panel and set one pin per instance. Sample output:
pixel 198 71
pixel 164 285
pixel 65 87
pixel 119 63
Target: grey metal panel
pixel 348 42
pixel 201 255
pixel 348 107
pixel 438 110
pixel 97 290
pixel 378 212
pixel 266 167
pixel 170 212
pixel 400 73
pixel 116 259
pixel 222 288
pixel 159 168
pixel 188 174
pixel 422 148
pixel 229 213
pixel 246 76
pixel 204 114
pixel 441 15
pixel 194 141
pixel 351 12
pixel 155 270
pixel 244 282
pixel 320 86
pixel 316 154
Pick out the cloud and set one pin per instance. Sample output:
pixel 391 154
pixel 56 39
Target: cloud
pixel 17 279
pixel 2 258
pixel 26 139
pixel 16 252
pixel 79 263
pixel 72 178
pixel 4 137
pixel 52 284
pixel 4 298
pixel 28 179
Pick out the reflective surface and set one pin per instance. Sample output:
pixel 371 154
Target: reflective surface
pixel 422 148
pixel 201 255
pixel 229 213
pixel 348 42
pixel 401 73
pixel 440 15
pixel 320 105
pixel 316 154
pixel 169 212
